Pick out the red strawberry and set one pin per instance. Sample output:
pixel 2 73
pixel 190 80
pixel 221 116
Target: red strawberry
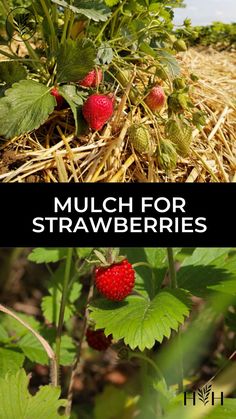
pixel 54 92
pixel 97 110
pixel 97 340
pixel 116 281
pixel 155 100
pixel 93 78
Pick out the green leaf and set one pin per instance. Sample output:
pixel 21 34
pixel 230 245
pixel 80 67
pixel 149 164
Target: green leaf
pixel 111 403
pixel 75 60
pixel 68 348
pixel 170 61
pixel 104 55
pixel 17 402
pixel 52 302
pixel 12 72
pixel 139 321
pixel 68 351
pixel 148 280
pixel 112 3
pixel 207 270
pixel 84 252
pixel 227 411
pixel 25 107
pixel 3 334
pixel 95 10
pixel 74 98
pixel 156 257
pixel 10 360
pixel 32 349
pixel 75 292
pixel 47 254
pixel 14 328
pixel 205 256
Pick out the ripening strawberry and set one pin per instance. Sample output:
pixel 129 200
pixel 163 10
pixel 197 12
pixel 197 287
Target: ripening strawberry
pixel 97 340
pixel 97 110
pixel 155 100
pixel 54 92
pixel 115 282
pixel 92 79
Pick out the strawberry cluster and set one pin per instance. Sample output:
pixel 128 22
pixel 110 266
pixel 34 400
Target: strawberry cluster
pixel 98 108
pixel 115 282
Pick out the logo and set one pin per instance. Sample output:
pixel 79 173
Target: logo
pixel 203 395
pixel 21 24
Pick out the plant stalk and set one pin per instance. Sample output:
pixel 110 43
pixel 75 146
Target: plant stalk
pixel 63 304
pixel 174 285
pixel 172 271
pixel 75 366
pixel 50 24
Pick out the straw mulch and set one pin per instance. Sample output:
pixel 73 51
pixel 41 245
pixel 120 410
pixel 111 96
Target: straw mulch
pixel 53 154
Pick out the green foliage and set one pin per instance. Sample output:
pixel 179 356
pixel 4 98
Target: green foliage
pixel 10 361
pixel 219 35
pixel 11 72
pixel 208 270
pixel 94 10
pixel 47 255
pixel 75 59
pixel 17 402
pixel 75 99
pixel 139 321
pixel 148 278
pixel 84 252
pixel 153 313
pixel 25 107
pixel 113 403
pixel 51 303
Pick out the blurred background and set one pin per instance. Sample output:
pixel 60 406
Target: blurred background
pixel 204 12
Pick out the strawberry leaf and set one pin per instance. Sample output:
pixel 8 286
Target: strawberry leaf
pixel 208 270
pixel 10 360
pixel 94 10
pixel 25 106
pixel 74 98
pixel 112 3
pixel 47 255
pixel 33 349
pixel 75 59
pixel 148 279
pixel 139 321
pixel 11 72
pixel 17 402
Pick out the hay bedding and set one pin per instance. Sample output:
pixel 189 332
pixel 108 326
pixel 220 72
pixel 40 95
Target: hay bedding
pixel 53 154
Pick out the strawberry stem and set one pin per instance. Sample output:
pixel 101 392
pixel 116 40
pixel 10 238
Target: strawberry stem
pixel 63 304
pixel 174 285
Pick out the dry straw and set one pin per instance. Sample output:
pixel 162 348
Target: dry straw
pixel 54 154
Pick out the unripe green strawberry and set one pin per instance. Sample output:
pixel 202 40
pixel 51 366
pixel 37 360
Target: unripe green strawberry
pixel 180 134
pixel 180 45
pixel 178 102
pixel 140 138
pixel 199 119
pixel 166 155
pixel 179 83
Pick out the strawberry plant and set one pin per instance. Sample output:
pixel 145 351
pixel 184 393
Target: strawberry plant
pixel 156 310
pixel 218 35
pixel 90 63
